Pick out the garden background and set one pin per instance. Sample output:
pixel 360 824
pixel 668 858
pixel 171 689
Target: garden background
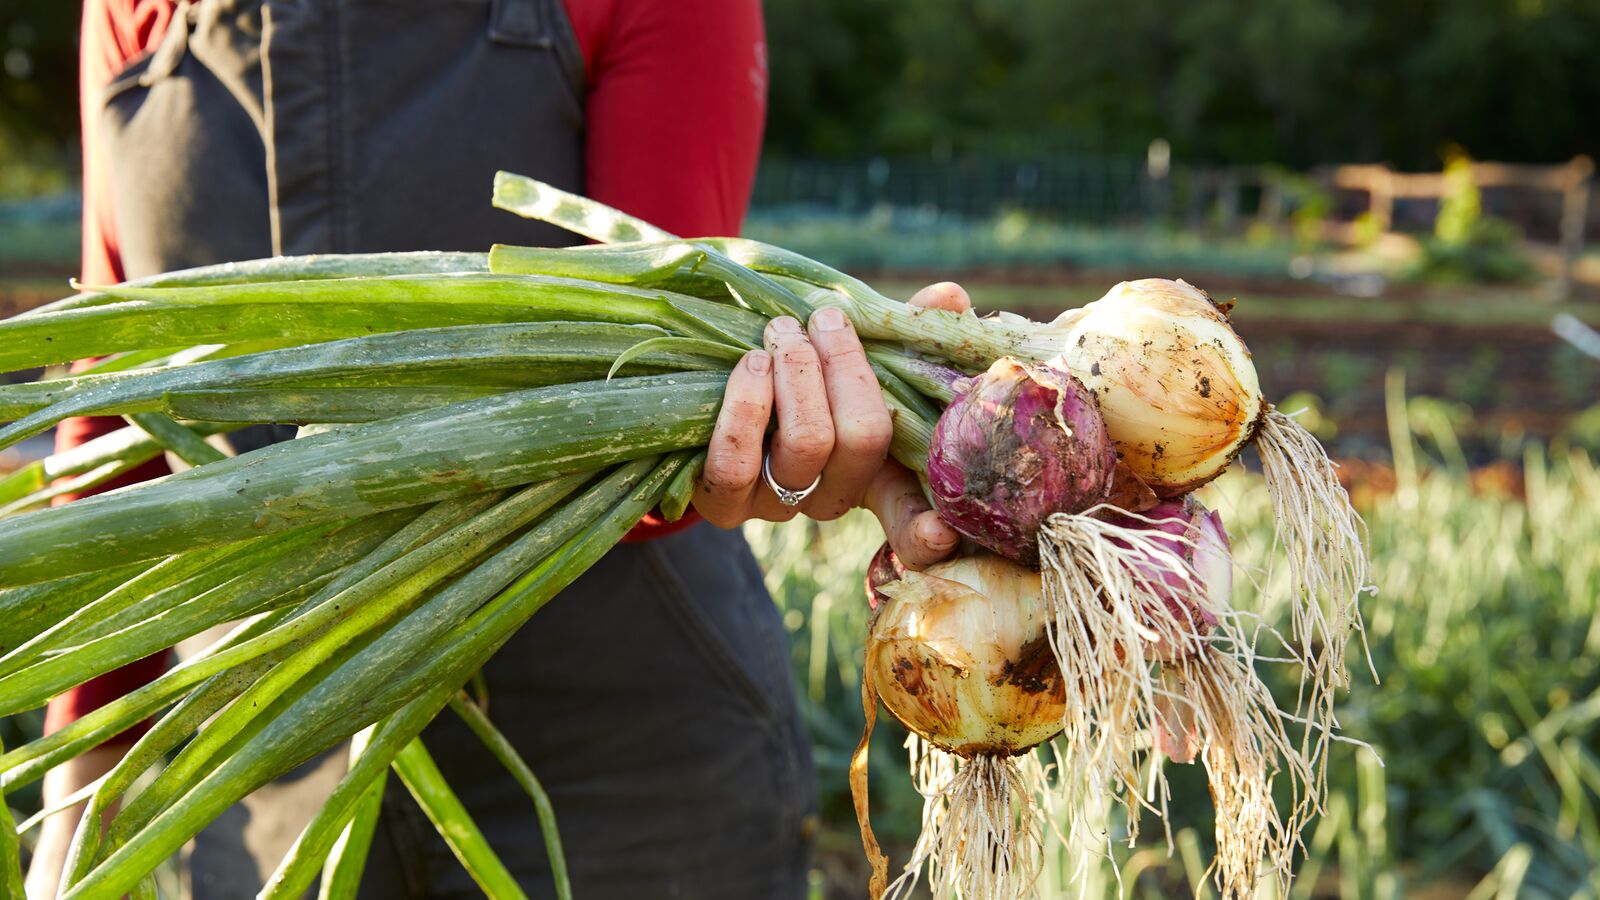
pixel 1432 330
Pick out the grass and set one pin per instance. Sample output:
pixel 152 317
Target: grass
pixel 1486 632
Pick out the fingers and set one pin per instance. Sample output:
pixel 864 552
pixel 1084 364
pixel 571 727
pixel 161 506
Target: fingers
pixel 861 424
pixel 919 537
pixel 733 457
pixel 946 295
pixel 804 439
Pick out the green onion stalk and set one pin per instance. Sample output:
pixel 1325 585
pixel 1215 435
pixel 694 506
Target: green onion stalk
pixel 480 429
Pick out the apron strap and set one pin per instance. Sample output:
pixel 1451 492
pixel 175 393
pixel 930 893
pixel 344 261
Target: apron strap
pixel 173 45
pixel 521 23
pixel 540 24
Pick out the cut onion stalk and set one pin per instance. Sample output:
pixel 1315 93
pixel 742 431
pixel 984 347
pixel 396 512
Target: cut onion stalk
pixel 959 655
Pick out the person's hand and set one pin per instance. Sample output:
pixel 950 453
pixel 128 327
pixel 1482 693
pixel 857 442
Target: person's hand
pixel 832 425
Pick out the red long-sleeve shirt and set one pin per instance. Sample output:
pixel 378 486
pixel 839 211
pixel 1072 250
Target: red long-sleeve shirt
pixel 674 104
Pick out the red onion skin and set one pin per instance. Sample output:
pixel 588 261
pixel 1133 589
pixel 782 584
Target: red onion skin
pixel 884 568
pixel 1206 551
pixel 1023 442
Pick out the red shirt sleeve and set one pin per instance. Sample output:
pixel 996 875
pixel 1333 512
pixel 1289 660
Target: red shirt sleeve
pixel 675 104
pixel 113 33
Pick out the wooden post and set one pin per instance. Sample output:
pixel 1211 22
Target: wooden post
pixel 1574 216
pixel 1382 194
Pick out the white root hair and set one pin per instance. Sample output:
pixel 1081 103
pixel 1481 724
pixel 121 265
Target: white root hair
pixel 1137 669
pixel 1325 543
pixel 982 831
pixel 1141 679
pixel 1244 747
pixel 1101 584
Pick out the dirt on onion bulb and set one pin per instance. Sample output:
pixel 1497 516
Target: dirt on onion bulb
pixel 960 655
pixel 1023 441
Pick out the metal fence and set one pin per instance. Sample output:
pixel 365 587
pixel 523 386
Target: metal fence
pixel 1106 190
pixel 1089 190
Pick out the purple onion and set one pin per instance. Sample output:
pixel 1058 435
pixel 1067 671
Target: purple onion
pixel 1022 442
pixel 1194 534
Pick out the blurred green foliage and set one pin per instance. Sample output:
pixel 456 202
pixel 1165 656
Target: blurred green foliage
pixel 1468 246
pixel 38 96
pixel 905 240
pixel 1296 82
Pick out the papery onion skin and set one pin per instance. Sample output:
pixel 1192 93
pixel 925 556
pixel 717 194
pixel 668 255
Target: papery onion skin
pixel 1022 442
pixel 884 568
pixel 960 656
pixel 1175 383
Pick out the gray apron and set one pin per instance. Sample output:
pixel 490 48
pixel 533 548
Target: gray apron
pixel 653 697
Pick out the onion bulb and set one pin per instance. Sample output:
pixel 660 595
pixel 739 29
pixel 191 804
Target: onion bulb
pixel 960 656
pixel 1184 601
pixel 1175 384
pixel 1022 441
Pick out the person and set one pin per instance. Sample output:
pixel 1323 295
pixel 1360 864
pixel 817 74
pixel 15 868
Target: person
pixel 652 697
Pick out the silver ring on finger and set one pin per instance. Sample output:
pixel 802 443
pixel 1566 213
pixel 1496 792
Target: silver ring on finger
pixel 785 496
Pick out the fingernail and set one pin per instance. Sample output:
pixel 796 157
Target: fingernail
pixel 786 325
pixel 828 319
pixel 759 361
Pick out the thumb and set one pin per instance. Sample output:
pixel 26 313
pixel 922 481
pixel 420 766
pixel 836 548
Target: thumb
pixel 919 537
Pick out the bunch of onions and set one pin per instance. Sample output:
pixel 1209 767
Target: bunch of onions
pixel 1130 606
pixel 493 423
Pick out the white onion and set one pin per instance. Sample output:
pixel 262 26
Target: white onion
pixel 960 656
pixel 1176 385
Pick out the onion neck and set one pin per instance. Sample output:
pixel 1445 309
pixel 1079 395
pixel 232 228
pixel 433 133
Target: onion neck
pixel 962 338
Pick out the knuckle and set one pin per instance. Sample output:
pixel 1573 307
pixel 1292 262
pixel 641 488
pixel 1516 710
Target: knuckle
pixel 828 511
pixel 865 434
pixel 723 475
pixel 847 351
pixel 744 410
pixel 798 354
pixel 810 438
